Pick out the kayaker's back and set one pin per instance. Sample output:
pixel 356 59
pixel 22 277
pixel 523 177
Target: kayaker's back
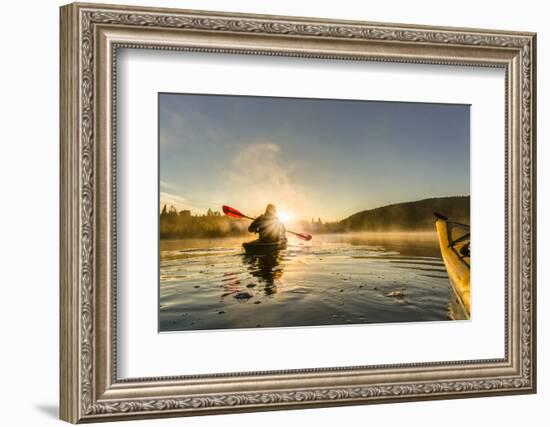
pixel 269 228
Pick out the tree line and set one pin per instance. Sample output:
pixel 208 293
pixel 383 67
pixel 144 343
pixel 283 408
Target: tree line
pixel 182 224
pixel 409 216
pixel 176 224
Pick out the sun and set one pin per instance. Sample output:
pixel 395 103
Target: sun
pixel 285 216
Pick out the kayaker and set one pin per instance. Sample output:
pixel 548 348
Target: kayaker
pixel 268 226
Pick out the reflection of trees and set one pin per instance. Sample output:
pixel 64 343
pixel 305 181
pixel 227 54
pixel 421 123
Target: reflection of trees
pixel 266 269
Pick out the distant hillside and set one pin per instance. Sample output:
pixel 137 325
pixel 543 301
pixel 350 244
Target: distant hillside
pixel 409 216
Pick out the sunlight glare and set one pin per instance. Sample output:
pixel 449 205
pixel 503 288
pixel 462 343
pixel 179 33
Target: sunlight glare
pixel 285 216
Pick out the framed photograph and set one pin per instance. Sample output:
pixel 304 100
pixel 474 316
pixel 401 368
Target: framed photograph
pixel 266 212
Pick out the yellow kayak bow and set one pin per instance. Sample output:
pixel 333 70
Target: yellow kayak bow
pixel 454 242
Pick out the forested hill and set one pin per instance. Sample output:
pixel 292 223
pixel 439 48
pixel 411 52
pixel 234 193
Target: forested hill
pixel 409 216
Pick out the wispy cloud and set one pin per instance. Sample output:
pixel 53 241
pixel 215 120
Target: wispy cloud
pixel 167 185
pixel 196 205
pixel 260 176
pixel 180 203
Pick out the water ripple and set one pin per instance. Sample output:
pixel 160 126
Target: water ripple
pixel 330 282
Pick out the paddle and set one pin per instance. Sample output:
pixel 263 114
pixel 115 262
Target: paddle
pixel 234 213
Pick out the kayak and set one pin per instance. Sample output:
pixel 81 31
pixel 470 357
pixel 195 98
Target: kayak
pixel 257 247
pixel 454 242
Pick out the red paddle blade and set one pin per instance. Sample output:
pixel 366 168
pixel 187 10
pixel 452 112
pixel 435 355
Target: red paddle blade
pixel 229 211
pixel 303 236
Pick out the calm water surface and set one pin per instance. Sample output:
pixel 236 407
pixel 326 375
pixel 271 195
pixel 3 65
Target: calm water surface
pixel 331 280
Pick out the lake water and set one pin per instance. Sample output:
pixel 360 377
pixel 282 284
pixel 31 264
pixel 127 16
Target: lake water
pixel 332 280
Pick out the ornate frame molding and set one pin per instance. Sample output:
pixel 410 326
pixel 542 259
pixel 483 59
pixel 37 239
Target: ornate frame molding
pixel 90 37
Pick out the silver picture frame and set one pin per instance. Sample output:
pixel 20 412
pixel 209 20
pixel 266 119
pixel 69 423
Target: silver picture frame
pixel 91 34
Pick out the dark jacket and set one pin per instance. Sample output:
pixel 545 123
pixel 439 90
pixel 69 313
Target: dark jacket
pixel 269 228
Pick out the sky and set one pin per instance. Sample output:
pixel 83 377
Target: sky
pixel 312 158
